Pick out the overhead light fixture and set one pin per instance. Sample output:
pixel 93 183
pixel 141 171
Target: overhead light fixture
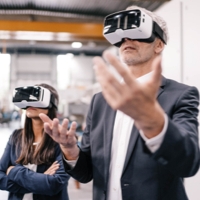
pixel 31 35
pixel 5 35
pixel 76 45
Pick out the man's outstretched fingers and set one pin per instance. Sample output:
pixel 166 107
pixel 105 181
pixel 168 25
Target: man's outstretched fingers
pixel 45 118
pixel 55 127
pixel 73 128
pixel 47 128
pixel 64 126
pixel 121 69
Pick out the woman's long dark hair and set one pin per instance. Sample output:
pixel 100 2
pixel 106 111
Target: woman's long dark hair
pixel 44 152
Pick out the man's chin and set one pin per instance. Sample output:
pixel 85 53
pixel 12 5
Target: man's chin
pixel 130 62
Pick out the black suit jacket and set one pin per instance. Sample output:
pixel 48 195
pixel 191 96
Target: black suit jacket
pixel 146 176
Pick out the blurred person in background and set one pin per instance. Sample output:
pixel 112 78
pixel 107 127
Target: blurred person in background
pixel 5 116
pixel 31 166
pixel 141 135
pixel 79 133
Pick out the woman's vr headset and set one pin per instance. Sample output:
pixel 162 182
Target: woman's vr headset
pixel 33 96
pixel 132 24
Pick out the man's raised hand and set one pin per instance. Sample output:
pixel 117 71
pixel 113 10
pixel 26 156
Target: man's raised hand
pixel 62 135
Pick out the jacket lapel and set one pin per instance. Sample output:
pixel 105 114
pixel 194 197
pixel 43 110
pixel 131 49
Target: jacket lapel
pixel 132 141
pixel 163 82
pixel 135 132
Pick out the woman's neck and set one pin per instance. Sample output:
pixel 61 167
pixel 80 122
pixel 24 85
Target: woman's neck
pixel 37 126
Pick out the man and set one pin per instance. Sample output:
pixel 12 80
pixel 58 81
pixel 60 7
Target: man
pixel 141 137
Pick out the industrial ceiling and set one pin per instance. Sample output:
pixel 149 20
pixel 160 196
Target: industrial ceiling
pixel 50 26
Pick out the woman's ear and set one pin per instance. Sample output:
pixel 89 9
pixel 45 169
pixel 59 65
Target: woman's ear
pixel 159 46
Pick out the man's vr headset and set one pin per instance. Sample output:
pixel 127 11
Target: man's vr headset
pixel 33 96
pixel 132 24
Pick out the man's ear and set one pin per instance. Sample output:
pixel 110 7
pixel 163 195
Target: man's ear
pixel 159 46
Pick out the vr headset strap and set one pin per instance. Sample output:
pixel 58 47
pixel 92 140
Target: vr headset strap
pixel 158 32
pixel 54 101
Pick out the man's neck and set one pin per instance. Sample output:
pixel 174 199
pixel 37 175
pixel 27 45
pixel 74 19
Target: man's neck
pixel 139 71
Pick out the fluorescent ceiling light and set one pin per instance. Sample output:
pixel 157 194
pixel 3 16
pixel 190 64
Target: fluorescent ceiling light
pixel 76 45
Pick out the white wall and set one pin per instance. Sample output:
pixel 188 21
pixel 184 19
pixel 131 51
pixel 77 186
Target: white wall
pixel 191 32
pixel 172 53
pixel 181 58
pixel 187 27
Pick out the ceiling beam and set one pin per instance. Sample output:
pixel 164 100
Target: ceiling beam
pixel 75 29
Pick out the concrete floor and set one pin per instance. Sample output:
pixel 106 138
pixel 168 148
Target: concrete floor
pixel 85 191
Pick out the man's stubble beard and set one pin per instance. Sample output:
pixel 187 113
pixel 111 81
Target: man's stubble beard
pixel 134 61
pixel 130 61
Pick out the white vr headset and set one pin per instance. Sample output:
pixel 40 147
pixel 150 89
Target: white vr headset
pixel 33 96
pixel 132 24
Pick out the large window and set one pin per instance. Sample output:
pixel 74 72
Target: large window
pixel 64 63
pixel 5 74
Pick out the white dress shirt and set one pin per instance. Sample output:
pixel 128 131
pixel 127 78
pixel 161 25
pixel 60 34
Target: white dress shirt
pixel 121 136
pixel 33 167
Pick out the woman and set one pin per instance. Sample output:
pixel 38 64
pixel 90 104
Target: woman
pixel 31 167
